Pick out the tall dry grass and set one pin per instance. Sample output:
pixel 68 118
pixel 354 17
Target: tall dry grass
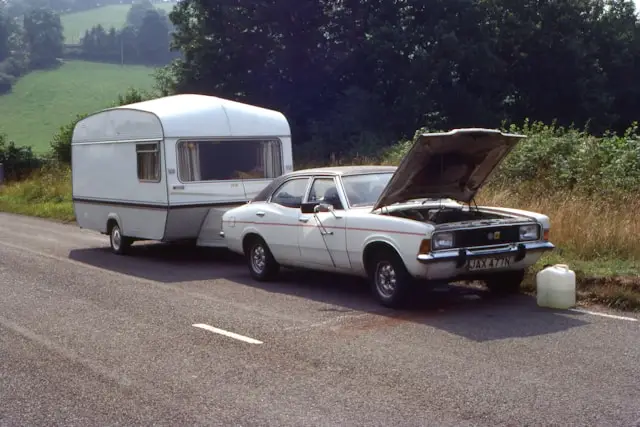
pixel 46 194
pixel 588 226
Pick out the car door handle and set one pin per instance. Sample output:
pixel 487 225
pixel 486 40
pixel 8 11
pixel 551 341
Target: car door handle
pixel 301 219
pixel 260 213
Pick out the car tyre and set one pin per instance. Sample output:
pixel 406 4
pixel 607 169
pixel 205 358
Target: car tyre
pixel 262 264
pixel 390 281
pixel 119 244
pixel 505 283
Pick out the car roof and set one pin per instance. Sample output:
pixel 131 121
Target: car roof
pixel 343 170
pixel 330 170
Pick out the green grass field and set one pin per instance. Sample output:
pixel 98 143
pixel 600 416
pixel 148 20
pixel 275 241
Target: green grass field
pixel 43 101
pixel 75 24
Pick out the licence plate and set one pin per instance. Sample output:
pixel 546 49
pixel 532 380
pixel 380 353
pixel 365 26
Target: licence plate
pixel 490 263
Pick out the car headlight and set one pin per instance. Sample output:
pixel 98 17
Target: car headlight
pixel 529 232
pixel 442 241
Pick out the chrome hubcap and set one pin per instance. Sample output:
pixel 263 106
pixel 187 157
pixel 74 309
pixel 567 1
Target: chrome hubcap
pixel 116 239
pixel 385 279
pixel 258 258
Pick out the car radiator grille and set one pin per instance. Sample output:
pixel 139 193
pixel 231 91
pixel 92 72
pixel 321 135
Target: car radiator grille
pixel 487 236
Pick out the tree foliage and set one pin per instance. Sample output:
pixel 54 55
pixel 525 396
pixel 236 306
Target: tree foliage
pixel 145 38
pixel 376 70
pixel 32 41
pixel 43 37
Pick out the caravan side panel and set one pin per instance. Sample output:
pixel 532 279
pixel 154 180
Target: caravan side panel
pixel 118 172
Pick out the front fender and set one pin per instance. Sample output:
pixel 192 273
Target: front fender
pixel 381 238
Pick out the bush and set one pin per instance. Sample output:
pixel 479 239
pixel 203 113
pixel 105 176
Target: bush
pixel 6 83
pixel 565 159
pixel 554 158
pixel 13 66
pixel 18 162
pixel 61 142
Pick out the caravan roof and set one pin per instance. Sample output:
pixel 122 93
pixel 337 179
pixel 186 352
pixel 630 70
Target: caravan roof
pixel 181 116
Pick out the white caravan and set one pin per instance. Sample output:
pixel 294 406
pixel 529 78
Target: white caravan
pixel 168 168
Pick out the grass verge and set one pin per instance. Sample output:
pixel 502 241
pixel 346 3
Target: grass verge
pixel 598 240
pixel 46 194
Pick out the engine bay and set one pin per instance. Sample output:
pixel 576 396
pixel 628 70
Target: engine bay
pixel 440 215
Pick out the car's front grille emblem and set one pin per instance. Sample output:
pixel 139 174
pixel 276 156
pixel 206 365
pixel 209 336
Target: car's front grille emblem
pixel 494 235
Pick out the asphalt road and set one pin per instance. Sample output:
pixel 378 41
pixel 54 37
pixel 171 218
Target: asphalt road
pixel 90 338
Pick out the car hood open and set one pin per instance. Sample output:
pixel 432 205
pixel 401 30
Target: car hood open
pixel 452 165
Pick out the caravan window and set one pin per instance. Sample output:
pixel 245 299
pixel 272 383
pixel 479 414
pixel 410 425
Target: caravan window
pixel 148 156
pixel 229 160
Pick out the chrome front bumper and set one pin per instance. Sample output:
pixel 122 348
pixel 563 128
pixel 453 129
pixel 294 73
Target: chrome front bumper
pixel 460 256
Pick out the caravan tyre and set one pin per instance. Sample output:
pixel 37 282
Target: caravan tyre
pixel 119 243
pixel 262 264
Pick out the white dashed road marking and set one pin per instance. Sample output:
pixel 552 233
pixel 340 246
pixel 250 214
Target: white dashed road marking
pixel 612 316
pixel 226 333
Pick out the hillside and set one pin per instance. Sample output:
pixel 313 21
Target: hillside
pixel 75 24
pixel 42 101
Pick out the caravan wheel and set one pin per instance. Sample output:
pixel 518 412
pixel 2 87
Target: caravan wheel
pixel 119 243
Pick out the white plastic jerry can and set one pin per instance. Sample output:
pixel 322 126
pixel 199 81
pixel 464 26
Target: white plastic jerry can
pixel 556 287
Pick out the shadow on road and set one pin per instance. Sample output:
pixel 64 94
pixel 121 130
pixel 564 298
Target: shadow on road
pixel 465 311
pixel 165 263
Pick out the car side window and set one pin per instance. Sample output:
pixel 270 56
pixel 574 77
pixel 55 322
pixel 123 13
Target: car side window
pixel 325 190
pixel 291 193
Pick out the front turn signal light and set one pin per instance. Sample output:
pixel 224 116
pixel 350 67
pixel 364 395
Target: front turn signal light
pixel 545 235
pixel 425 246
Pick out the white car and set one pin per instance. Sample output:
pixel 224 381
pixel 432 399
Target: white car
pixel 394 225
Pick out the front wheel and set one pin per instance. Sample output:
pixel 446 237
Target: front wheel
pixel 262 264
pixel 390 281
pixel 505 283
pixel 119 244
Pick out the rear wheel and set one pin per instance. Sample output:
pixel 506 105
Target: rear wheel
pixel 262 264
pixel 505 283
pixel 389 279
pixel 119 244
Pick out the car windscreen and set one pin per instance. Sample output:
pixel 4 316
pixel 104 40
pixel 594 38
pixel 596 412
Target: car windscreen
pixel 365 189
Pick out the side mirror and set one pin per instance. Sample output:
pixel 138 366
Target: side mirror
pixel 323 207
pixel 308 208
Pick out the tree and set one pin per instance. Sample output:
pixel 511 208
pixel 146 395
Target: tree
pixel 153 38
pixel 43 33
pixel 341 69
pixel 4 36
pixel 137 12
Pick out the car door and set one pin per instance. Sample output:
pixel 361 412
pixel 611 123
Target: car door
pixel 322 237
pixel 278 219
